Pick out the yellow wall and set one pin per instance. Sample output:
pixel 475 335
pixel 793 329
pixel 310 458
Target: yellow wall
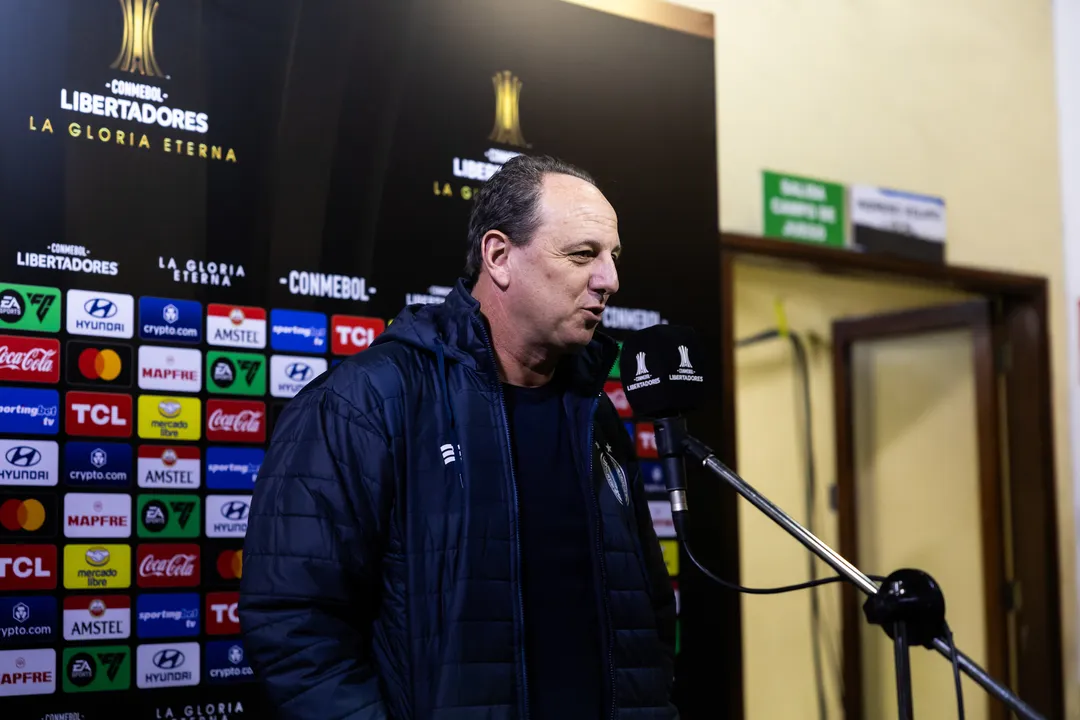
pixel 950 98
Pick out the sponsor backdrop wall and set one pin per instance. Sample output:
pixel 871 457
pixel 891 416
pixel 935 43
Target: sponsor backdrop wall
pixel 204 206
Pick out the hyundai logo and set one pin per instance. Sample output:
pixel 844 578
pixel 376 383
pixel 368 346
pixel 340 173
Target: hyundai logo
pixel 298 371
pixel 100 308
pixel 235 510
pixel 168 659
pixel 23 456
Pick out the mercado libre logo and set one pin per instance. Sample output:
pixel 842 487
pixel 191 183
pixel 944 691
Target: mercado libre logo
pixel 132 108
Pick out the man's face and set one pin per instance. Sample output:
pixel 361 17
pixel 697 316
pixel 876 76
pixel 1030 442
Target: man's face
pixel 562 279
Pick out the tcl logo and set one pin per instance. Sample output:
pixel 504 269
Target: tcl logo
pixel 221 615
pixel 27 567
pixel 98 414
pixel 646 440
pixel 614 390
pixel 350 334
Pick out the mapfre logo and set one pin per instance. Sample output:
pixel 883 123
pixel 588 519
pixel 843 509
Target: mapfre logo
pixel 350 334
pixel 29 359
pixel 98 414
pixel 170 369
pixel 27 567
pixel 221 615
pixel 27 672
pixel 94 515
pixel 235 421
pixel 167 565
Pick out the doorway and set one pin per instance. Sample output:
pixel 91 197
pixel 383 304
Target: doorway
pixel 919 486
pixel 973 347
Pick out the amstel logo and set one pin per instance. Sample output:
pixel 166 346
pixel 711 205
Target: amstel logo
pixel 137 47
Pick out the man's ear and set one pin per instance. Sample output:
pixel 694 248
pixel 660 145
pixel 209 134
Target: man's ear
pixel 495 253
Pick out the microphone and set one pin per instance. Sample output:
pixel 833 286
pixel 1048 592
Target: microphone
pixel 660 367
pixel 662 382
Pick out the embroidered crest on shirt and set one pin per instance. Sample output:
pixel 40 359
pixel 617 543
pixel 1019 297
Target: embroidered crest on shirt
pixel 614 474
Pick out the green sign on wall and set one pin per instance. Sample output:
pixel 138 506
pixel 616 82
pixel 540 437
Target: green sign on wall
pixel 97 668
pixel 29 307
pixel 235 373
pixel 169 516
pixel 798 208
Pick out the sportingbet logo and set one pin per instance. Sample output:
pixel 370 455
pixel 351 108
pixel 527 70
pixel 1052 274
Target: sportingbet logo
pixel 168 615
pixel 98 414
pixel 232 468
pixel 27 567
pixel 29 411
pixel 350 334
pixel 297 331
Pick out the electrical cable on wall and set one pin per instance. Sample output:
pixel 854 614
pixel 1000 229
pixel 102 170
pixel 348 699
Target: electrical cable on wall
pixel 802 371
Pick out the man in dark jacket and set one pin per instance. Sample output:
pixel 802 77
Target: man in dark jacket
pixel 451 524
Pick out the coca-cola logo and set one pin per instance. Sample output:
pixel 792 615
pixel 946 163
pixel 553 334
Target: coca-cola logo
pixel 29 359
pixel 168 565
pixel 246 421
pixel 235 421
pixel 36 359
pixel 174 566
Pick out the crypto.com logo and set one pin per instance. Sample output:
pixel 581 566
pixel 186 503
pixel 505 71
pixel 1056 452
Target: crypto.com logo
pixel 137 48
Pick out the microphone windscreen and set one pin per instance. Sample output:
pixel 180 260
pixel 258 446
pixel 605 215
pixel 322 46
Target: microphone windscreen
pixel 661 371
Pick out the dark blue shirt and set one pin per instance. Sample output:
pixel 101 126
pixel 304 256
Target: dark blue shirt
pixel 562 643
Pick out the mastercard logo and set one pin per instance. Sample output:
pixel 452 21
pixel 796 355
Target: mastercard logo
pixel 97 364
pixel 26 515
pixel 230 564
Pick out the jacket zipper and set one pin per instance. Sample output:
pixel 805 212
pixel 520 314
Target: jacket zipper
pixel 517 532
pixel 600 553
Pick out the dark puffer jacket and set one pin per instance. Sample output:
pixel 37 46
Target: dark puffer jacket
pixel 381 565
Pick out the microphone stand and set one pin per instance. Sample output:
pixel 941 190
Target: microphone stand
pixel 909 605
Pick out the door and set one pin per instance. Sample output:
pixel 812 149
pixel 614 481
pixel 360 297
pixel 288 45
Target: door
pixel 919 486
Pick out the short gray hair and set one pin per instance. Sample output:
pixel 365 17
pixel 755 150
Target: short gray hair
pixel 508 202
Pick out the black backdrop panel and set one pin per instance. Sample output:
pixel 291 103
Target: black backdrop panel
pixel 176 159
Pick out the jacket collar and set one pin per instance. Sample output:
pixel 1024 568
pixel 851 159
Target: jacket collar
pixel 465 334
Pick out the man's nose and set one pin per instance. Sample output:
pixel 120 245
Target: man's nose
pixel 606 278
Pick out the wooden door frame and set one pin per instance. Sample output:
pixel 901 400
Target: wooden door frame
pixel 1021 338
pixel 976 316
